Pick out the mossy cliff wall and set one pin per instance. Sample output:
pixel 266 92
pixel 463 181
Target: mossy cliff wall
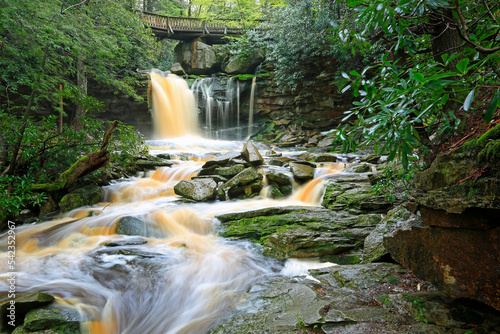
pixel 458 197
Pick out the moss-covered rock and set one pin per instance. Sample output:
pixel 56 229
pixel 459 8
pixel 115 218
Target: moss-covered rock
pixel 24 304
pixel 304 232
pixel 463 179
pixel 55 319
pixel 358 196
pixel 88 195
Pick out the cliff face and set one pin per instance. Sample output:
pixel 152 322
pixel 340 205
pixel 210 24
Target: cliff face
pixel 458 197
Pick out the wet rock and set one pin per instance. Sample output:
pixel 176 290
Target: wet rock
pixel 363 168
pixel 247 176
pixel 54 319
pixel 371 158
pixel 126 242
pixel 216 178
pixel 144 165
pixel 252 154
pixel 164 156
pixel 23 304
pixel 276 162
pixel 301 171
pixel 326 158
pixel 246 191
pixel 198 190
pixel 280 183
pixel 228 171
pixel 222 160
pixel 131 226
pixel 88 195
pixel 396 218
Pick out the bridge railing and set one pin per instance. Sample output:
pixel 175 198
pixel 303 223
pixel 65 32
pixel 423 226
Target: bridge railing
pixel 188 24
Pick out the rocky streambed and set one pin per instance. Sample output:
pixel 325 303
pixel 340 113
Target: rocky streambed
pixel 346 226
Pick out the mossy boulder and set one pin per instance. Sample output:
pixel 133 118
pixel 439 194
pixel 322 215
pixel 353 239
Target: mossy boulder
pixel 24 304
pixel 303 232
pixel 280 184
pixel 88 195
pixel 247 183
pixel 51 319
pixel 341 194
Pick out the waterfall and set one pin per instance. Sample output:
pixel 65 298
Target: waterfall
pixel 173 105
pixel 250 112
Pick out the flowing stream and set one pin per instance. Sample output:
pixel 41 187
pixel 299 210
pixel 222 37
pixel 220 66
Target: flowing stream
pixel 180 276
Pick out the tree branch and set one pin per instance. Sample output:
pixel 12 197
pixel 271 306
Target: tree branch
pixel 464 32
pixel 75 5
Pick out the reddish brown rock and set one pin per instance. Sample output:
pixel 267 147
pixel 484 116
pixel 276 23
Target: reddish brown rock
pixel 462 262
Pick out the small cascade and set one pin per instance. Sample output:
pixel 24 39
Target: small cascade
pixel 312 191
pixel 173 106
pixel 250 111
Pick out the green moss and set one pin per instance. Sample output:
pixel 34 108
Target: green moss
pixel 485 146
pixel 384 300
pixel 491 151
pixel 394 280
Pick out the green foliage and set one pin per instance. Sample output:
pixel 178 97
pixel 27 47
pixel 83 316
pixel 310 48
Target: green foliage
pixel 15 195
pixel 46 153
pixel 421 307
pixel 126 144
pixel 243 48
pixel 419 84
pixel 298 32
pixel 107 35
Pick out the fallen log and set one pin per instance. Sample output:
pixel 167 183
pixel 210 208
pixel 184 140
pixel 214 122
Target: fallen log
pixel 83 166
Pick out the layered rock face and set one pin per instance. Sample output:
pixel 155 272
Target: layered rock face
pixel 458 247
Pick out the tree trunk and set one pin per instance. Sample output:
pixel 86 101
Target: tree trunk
pixel 81 77
pixel 446 38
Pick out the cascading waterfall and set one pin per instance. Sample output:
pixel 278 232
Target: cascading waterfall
pixel 218 102
pixel 173 105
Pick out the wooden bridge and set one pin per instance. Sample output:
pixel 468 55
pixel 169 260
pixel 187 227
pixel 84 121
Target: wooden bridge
pixel 188 28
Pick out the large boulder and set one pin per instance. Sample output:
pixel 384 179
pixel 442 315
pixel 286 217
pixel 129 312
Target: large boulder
pixel 88 195
pixel 246 184
pixel 302 232
pixel 198 190
pixel 252 154
pixel 196 57
pixel 248 65
pixel 302 171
